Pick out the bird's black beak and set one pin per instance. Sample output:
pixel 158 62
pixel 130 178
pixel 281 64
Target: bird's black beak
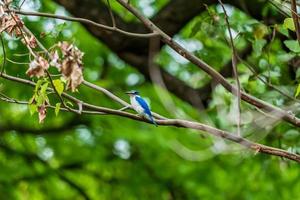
pixel 128 92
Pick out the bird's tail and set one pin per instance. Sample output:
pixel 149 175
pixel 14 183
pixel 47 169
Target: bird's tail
pixel 153 121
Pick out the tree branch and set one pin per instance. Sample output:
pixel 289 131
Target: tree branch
pixel 211 71
pixel 74 185
pixel 85 21
pixel 179 123
pixel 295 19
pixel 174 85
pixel 135 51
pixel 235 70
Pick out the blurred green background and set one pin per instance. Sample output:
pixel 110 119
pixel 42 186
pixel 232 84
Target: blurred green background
pixel 109 157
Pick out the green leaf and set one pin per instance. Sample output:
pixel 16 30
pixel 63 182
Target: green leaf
pixel 69 103
pixel 32 99
pixel 258 45
pixel 38 85
pixel 44 88
pixel 64 80
pixel 281 29
pixel 263 64
pixel 291 135
pixel 288 23
pixel 297 90
pixel 260 31
pixel 57 108
pixel 293 45
pixel 57 31
pixel 196 28
pixel 32 108
pixel 59 86
pixel 40 99
pixel 298 74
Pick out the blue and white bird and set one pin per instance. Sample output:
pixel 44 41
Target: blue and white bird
pixel 140 106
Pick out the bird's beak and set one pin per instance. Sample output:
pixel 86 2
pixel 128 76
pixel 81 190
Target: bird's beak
pixel 128 92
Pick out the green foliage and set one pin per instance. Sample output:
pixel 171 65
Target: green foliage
pixel 293 45
pixel 297 91
pixel 260 31
pixel 59 86
pixel 110 157
pixel 288 23
pixel 40 96
pixel 258 46
pixel 57 108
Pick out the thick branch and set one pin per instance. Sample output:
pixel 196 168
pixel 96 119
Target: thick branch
pixel 279 113
pixel 180 123
pixel 187 10
pixel 174 85
pixel 196 97
pixel 135 50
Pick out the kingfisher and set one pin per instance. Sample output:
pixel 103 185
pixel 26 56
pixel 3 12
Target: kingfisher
pixel 140 106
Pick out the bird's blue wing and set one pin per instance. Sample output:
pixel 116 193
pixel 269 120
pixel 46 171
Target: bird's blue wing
pixel 144 104
pixel 146 108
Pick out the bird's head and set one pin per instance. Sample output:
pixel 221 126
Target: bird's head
pixel 132 93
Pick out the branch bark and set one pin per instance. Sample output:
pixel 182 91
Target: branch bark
pixel 279 113
pixel 178 123
pixel 295 19
pixel 134 51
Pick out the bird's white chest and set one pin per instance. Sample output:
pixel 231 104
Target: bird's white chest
pixel 136 106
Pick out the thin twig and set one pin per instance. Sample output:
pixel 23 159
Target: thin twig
pixel 80 190
pixel 295 19
pixel 59 96
pixel 235 70
pixel 22 4
pixel 282 4
pixel 38 42
pixel 254 72
pixel 85 21
pixel 111 14
pixel 114 97
pixel 278 6
pixel 179 123
pixel 5 98
pixel 15 62
pixel 280 113
pixel 27 31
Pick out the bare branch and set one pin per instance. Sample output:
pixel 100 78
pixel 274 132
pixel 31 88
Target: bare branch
pixel 114 97
pixel 211 71
pixel 178 123
pixel 263 79
pixel 295 19
pixel 88 108
pixel 85 21
pixel 81 191
pixel 111 14
pixel 27 31
pixel 235 70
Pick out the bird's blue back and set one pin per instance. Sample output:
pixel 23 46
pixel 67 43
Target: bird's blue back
pixel 144 105
pixel 146 108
